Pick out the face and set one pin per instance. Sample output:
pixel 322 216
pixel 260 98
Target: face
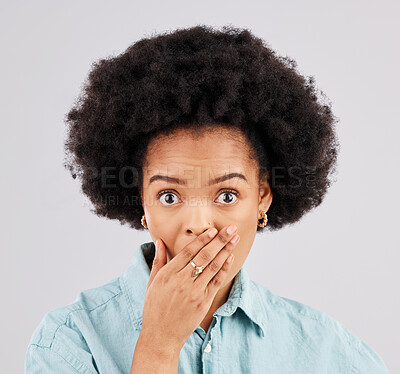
pixel 188 202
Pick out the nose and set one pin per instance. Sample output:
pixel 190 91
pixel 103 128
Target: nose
pixel 198 220
pixel 198 229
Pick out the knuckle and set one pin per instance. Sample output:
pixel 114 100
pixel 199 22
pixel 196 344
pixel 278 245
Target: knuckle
pixel 214 267
pixel 222 237
pixel 203 257
pixel 180 290
pixel 192 298
pixel 217 282
pixel 199 305
pixel 196 297
pixel 187 253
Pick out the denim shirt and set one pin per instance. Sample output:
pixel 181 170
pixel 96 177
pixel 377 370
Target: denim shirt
pixel 255 331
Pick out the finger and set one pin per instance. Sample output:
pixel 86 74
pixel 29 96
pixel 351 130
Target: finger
pixel 180 261
pixel 211 271
pixel 160 259
pixel 208 253
pixel 217 282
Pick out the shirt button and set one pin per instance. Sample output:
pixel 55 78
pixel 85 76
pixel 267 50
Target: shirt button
pixel 208 348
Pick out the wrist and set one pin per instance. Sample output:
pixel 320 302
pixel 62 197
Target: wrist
pixel 164 348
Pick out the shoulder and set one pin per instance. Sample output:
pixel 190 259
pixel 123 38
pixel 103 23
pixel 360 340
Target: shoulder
pixel 60 339
pixel 294 309
pixel 87 301
pixel 321 329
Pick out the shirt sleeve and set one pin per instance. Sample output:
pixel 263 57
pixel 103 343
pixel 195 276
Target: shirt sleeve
pixel 45 360
pixel 367 361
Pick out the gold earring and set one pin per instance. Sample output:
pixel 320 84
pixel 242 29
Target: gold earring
pixel 265 220
pixel 144 223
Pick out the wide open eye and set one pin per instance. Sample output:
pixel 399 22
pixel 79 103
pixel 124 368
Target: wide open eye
pixel 227 197
pixel 167 196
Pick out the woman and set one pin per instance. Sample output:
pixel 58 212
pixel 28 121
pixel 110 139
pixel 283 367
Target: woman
pixel 195 135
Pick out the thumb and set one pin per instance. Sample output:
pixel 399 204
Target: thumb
pixel 160 259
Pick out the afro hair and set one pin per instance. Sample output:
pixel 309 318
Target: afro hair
pixel 194 77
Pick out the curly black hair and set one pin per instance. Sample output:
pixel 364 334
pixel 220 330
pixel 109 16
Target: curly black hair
pixel 192 78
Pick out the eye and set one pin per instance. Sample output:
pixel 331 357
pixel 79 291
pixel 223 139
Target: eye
pixel 167 197
pixel 227 193
pixel 167 194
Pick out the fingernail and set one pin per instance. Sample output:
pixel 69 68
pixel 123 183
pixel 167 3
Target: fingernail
pixel 231 229
pixel 212 232
pixel 235 239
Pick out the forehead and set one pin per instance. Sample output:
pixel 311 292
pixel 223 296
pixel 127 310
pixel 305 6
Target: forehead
pixel 209 153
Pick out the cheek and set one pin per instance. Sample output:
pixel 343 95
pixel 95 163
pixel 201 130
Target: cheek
pixel 246 241
pixel 159 228
pixel 247 221
pixel 247 225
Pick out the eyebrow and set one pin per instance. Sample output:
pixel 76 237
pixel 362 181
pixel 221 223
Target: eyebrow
pixel 183 182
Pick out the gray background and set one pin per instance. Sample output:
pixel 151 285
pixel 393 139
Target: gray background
pixel 341 258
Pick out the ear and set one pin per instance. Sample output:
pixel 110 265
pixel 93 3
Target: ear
pixel 265 193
